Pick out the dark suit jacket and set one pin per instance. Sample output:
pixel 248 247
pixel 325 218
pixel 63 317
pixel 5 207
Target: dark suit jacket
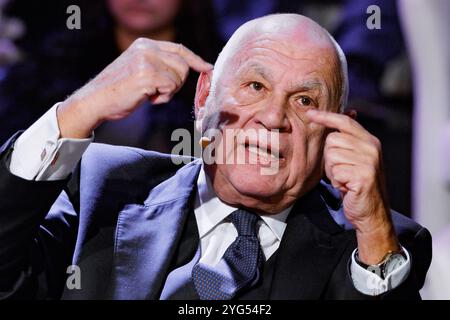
pixel 119 218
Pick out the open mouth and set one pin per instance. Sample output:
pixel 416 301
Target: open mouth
pixel 263 154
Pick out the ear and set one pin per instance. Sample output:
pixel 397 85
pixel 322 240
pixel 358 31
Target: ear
pixel 202 93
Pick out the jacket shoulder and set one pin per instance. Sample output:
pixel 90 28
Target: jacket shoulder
pixel 110 160
pixel 120 170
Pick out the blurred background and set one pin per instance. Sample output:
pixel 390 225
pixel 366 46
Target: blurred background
pixel 399 78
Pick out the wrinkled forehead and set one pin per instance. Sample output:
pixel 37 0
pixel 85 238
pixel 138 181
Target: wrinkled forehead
pixel 302 33
pixel 294 39
pixel 294 34
pixel 286 50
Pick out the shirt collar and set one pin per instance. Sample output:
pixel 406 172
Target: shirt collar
pixel 210 210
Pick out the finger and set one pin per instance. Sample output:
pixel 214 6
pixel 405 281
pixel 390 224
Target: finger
pixel 368 149
pixel 166 85
pixel 342 176
pixel 177 64
pixel 160 98
pixel 329 173
pixel 154 73
pixel 337 121
pixel 165 70
pixel 335 156
pixel 168 81
pixel 342 140
pixel 192 59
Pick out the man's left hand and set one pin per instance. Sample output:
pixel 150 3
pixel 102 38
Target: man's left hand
pixel 353 163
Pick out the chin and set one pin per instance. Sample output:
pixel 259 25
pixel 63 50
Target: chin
pixel 248 180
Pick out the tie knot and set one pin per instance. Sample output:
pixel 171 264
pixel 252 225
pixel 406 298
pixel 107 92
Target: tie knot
pixel 245 222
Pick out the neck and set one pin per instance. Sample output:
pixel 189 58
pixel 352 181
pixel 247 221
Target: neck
pixel 125 37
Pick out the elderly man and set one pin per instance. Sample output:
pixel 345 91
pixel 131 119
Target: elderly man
pixel 132 224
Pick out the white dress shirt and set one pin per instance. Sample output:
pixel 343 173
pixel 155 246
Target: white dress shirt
pixel 39 154
pixel 216 233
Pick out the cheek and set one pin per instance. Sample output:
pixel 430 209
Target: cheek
pixel 230 113
pixel 230 98
pixel 314 146
pixel 307 143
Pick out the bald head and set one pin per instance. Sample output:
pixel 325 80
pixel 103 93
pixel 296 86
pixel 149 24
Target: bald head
pixel 293 28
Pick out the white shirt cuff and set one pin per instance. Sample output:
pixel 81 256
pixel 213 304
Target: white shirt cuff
pixel 371 284
pixel 39 154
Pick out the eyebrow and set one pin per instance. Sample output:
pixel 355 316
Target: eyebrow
pixel 259 69
pixel 307 85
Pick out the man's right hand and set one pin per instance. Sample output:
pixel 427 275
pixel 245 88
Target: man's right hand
pixel 148 69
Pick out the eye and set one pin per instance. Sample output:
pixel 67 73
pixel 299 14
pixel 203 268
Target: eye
pixel 257 86
pixel 305 101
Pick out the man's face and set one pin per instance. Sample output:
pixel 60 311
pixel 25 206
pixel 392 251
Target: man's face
pixel 268 85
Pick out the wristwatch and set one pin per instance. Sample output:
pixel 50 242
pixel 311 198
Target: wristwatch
pixel 391 261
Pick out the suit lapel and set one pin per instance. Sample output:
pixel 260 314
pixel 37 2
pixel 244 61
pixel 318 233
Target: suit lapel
pixel 309 251
pixel 147 236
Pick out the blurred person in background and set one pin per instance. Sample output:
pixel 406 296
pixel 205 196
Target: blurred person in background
pixel 11 28
pixel 66 59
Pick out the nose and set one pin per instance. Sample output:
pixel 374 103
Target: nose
pixel 273 115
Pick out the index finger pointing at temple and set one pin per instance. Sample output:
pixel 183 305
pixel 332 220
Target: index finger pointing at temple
pixel 192 59
pixel 337 121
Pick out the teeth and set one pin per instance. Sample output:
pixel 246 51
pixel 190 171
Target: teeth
pixel 261 152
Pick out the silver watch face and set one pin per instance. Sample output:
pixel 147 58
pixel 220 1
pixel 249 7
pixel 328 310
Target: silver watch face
pixel 394 262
